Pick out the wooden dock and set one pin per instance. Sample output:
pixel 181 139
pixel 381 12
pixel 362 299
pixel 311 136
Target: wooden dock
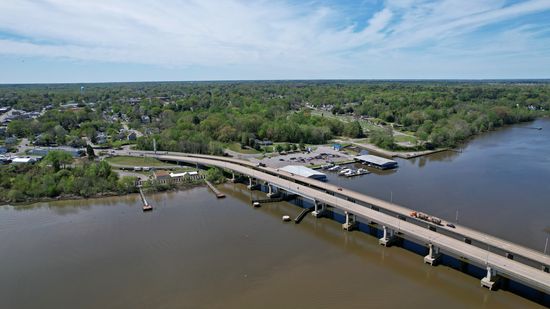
pixel 146 205
pixel 216 191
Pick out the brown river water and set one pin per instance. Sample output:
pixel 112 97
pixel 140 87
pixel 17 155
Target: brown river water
pixel 195 251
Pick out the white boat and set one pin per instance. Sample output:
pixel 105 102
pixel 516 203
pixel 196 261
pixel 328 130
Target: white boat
pixel 350 173
pixel 344 171
pixel 334 168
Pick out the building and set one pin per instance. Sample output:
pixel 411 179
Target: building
pixel 3 150
pixel 375 161
pixel 264 142
pixel 162 176
pixel 23 160
pixel 304 172
pixel 132 136
pixel 75 152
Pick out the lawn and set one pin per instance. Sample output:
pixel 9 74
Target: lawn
pixel 136 161
pixel 404 138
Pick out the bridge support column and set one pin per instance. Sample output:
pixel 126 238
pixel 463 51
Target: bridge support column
pixel 233 178
pixel 490 281
pixel 319 211
pixel 388 237
pixel 270 192
pixel 433 256
pixel 250 186
pixel 350 224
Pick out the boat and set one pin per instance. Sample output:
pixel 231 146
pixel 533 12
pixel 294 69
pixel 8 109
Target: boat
pixel 350 173
pixel 256 204
pixel 344 171
pixel 334 168
pixel 327 166
pixel 286 218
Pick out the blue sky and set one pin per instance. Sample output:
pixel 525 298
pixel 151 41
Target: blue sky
pixel 147 40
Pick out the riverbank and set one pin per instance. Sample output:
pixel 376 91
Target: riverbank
pixel 71 197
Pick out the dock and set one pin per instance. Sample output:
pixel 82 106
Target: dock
pixel 216 191
pixel 302 214
pixel 146 205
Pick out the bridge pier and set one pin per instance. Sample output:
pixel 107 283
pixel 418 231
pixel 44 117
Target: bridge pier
pixel 250 185
pixel 233 178
pixel 433 256
pixel 270 192
pixel 490 281
pixel 351 223
pixel 319 212
pixel 388 237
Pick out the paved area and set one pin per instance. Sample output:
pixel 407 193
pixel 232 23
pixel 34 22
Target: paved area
pixel 320 155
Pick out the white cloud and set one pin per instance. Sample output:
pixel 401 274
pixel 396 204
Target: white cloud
pixel 264 34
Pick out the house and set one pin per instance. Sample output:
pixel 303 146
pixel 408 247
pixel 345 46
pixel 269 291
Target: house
pixel 101 138
pixel 23 160
pixel 162 176
pixel 132 136
pixel 264 142
pixel 145 119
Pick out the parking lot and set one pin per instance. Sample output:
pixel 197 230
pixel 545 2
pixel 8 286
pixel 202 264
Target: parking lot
pixel 320 155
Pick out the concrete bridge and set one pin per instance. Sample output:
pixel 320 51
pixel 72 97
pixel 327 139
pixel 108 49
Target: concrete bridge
pixel 499 257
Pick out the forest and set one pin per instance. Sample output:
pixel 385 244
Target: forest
pixel 204 117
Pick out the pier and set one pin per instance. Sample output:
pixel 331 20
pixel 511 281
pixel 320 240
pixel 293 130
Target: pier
pixel 146 205
pixel 214 189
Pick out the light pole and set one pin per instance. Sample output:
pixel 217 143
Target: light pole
pixel 547 231
pixel 456 218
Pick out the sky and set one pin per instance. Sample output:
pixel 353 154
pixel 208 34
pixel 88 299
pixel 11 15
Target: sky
pixel 53 41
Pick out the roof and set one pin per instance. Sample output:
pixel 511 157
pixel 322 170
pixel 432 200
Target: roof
pixel 303 171
pixel 173 175
pixel 161 174
pixel 375 159
pixel 23 160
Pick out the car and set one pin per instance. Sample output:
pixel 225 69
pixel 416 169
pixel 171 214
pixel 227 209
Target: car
pixel 281 159
pixel 339 188
pixel 451 225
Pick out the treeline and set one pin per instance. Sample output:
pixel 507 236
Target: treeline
pixel 56 177
pixel 204 116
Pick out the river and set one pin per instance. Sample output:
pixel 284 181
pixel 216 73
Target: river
pixel 195 251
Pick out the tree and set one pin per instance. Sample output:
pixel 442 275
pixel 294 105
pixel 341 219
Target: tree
pixel 58 159
pixel 279 148
pixel 90 152
pixel 383 139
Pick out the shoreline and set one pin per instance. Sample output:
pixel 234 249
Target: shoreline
pixel 97 196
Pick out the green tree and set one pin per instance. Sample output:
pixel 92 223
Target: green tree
pixel 57 159
pixel 90 152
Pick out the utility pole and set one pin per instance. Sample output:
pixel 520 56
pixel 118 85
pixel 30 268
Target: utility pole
pixel 155 145
pixel 456 219
pixel 546 245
